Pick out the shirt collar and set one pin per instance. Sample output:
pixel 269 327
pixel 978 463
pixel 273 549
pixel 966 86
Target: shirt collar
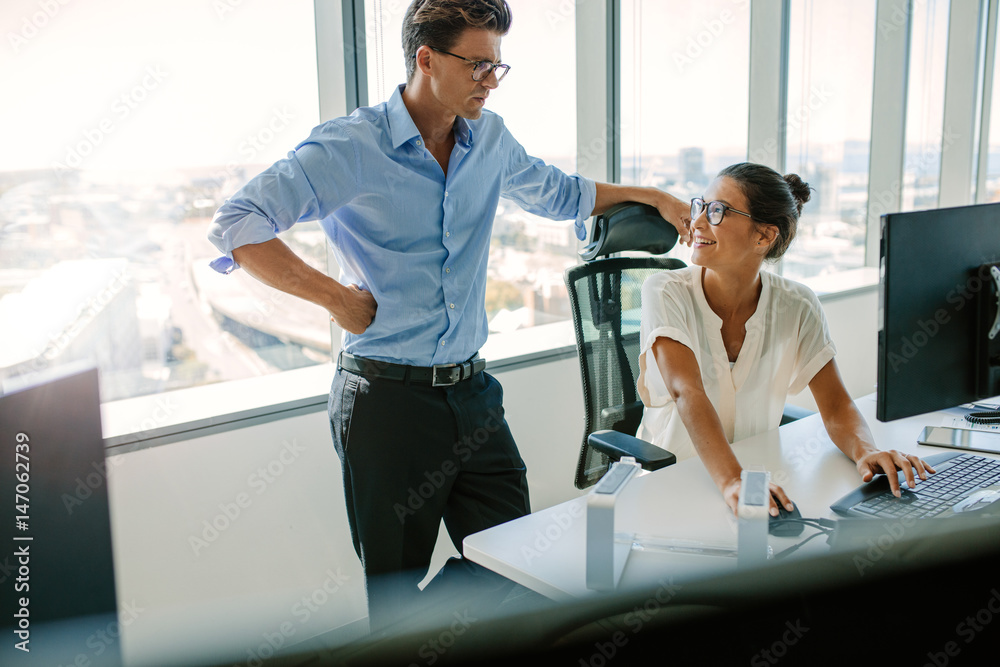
pixel 463 131
pixel 401 126
pixel 403 129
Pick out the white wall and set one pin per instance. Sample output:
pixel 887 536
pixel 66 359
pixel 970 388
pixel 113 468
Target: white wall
pixel 281 538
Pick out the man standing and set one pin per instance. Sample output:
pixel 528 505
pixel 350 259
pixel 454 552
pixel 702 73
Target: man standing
pixel 407 191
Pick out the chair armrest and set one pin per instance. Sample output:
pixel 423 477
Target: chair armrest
pixel 616 445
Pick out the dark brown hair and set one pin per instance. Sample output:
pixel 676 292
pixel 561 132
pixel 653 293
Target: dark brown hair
pixel 439 23
pixel 773 199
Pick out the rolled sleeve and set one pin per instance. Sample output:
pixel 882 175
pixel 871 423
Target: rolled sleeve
pixel 588 199
pixel 284 194
pixel 230 230
pixel 544 190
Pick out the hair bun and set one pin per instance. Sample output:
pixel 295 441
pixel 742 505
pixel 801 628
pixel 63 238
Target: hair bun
pixel 800 189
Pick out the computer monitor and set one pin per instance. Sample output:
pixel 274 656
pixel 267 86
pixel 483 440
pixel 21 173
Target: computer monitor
pixel 937 308
pixel 58 603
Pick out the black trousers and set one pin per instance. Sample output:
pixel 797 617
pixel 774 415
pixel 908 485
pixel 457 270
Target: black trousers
pixel 413 455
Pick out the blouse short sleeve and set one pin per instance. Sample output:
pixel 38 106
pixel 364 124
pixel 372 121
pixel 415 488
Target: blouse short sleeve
pixel 815 346
pixel 668 311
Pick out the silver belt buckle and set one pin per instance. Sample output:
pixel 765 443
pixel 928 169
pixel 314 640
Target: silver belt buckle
pixel 453 372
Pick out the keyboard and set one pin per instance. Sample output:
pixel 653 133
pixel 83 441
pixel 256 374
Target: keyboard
pixel 963 483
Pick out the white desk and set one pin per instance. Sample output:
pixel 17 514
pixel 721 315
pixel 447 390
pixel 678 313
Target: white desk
pixel 545 550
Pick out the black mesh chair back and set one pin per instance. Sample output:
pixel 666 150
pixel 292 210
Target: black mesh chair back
pixel 605 296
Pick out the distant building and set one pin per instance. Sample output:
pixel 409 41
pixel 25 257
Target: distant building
pixel 89 315
pixel 693 165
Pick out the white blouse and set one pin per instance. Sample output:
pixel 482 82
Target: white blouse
pixel 787 342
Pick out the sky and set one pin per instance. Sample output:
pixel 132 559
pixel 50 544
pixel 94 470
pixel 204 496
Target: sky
pixel 146 84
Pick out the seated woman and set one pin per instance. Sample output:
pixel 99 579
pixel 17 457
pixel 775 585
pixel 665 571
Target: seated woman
pixel 724 343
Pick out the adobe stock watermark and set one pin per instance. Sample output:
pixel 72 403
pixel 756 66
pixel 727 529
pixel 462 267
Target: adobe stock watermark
pixel 302 610
pixel 105 638
pixel 224 7
pixel 635 621
pixel 886 200
pixel 435 480
pixel 879 547
pixel 86 313
pixel 564 11
pixel 258 481
pixel 816 99
pixel 32 25
pixel 254 143
pixel 817 443
pixel 900 16
pixel 432 650
pixel 703 40
pixel 544 538
pixel 162 411
pixel 967 629
pixel 792 634
pixel 123 106
pixel 960 296
pixel 596 150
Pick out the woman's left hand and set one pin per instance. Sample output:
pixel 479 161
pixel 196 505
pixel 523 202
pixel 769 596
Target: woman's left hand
pixel 677 213
pixel 888 462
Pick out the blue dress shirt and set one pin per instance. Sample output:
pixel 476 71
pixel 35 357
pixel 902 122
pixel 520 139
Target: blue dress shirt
pixel 401 228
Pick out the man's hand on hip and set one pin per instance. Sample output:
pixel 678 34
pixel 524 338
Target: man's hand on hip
pixel 357 310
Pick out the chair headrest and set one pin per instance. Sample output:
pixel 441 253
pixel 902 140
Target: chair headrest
pixel 630 226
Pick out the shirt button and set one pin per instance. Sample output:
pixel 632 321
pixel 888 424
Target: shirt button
pixel 447 234
pixel 443 342
pixel 419 143
pixel 445 193
pixel 451 305
pixel 447 270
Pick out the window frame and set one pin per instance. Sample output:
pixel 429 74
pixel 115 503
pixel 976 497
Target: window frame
pixel 342 86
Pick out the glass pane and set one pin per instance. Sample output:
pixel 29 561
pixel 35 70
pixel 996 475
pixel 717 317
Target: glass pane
pixel 925 104
pixel 131 124
pixel 991 191
pixel 830 78
pixel 528 254
pixel 685 93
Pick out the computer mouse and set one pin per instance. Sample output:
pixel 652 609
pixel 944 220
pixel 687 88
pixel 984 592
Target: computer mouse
pixel 779 527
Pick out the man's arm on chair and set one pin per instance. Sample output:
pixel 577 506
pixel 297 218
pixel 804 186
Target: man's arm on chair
pixel 673 210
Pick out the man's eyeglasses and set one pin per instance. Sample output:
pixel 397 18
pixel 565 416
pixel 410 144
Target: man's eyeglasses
pixel 480 68
pixel 716 210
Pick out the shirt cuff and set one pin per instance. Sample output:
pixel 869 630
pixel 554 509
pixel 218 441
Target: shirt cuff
pixel 588 198
pixel 224 264
pixel 229 232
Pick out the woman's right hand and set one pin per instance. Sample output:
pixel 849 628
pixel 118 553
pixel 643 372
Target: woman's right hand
pixel 731 494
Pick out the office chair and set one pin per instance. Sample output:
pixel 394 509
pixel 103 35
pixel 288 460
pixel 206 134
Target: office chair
pixel 605 295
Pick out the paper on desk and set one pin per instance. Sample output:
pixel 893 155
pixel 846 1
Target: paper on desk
pixel 961 422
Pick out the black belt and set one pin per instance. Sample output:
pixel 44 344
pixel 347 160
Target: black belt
pixel 442 375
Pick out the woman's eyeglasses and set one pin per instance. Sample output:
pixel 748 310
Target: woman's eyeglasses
pixel 715 210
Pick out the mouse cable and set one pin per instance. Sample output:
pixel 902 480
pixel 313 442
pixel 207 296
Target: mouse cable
pixel 825 525
pixel 794 547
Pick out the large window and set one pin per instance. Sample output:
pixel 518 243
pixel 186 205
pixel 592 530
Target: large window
pixel 125 125
pixel 128 124
pixel 925 138
pixel 991 189
pixel 830 73
pixel 684 94
pixel 537 99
